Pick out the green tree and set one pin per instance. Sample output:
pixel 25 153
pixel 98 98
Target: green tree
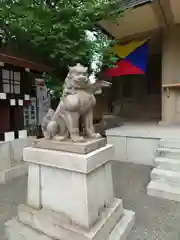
pixel 55 30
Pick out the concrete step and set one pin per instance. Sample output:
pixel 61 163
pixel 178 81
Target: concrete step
pixel 160 160
pixel 168 152
pixel 167 163
pixel 163 190
pixel 165 176
pixel 170 143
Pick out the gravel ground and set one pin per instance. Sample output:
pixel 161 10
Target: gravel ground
pixel 156 219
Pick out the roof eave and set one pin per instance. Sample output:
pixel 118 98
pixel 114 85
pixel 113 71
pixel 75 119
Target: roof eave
pixel 24 63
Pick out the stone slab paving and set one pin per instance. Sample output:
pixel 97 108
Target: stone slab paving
pixel 156 219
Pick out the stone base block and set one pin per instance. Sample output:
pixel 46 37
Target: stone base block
pixel 13 172
pixel 78 185
pixel 123 227
pixel 16 230
pixel 58 226
pixel 76 147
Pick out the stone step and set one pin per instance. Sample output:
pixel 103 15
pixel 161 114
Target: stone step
pixel 167 163
pixel 168 152
pixel 170 143
pixel 160 160
pixel 163 190
pixel 166 176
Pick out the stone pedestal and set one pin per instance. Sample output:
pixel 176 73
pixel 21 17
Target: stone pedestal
pixel 70 195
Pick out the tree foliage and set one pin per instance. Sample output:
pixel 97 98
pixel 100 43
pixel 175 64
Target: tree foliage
pixel 55 30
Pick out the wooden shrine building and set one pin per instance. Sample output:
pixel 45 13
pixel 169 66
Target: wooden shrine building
pixel 17 87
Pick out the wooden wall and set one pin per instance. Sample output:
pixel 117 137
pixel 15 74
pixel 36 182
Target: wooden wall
pixel 12 117
pixel 4 116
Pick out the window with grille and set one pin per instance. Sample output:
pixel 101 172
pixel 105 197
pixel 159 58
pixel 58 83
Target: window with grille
pixel 11 81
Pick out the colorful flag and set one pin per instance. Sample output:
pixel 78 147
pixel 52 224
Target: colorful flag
pixel 133 59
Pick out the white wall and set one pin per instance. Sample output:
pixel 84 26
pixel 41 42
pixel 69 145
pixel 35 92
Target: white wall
pixel 11 153
pixel 11 158
pixel 134 149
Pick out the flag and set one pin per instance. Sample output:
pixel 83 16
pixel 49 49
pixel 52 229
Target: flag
pixel 133 59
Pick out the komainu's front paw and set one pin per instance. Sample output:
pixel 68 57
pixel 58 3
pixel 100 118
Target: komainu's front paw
pixel 77 139
pixel 94 135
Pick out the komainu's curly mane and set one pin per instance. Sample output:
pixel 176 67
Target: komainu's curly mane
pixel 75 77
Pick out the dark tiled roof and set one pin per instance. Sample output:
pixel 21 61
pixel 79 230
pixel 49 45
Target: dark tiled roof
pixel 134 3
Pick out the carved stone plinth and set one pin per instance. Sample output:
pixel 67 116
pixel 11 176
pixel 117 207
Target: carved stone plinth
pixel 67 146
pixel 70 196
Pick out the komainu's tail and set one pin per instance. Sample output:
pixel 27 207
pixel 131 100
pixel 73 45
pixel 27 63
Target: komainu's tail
pixel 45 122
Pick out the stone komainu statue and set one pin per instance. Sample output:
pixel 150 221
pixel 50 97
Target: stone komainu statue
pixel 77 102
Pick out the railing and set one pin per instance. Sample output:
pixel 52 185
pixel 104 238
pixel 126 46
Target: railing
pixel 134 3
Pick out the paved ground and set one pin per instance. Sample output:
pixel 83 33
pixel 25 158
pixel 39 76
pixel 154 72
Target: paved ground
pixel 11 195
pixel 156 219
